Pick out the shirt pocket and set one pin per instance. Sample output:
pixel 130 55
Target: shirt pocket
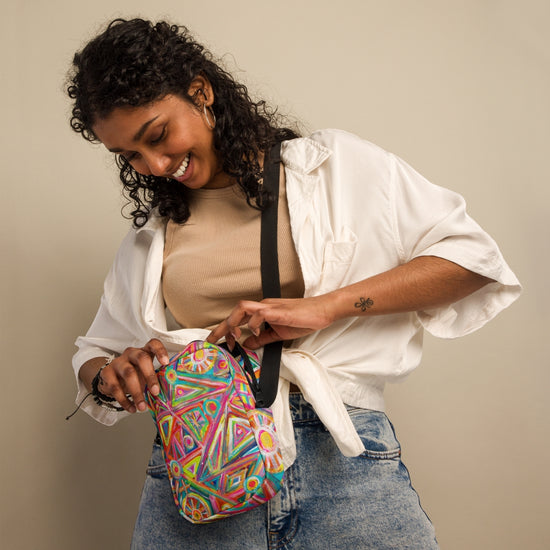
pixel 337 257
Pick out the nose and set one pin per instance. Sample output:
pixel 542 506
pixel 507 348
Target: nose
pixel 157 163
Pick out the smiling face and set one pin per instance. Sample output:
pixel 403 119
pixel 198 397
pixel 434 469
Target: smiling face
pixel 168 138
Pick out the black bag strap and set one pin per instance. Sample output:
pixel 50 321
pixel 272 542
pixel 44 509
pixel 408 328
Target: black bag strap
pixel 271 286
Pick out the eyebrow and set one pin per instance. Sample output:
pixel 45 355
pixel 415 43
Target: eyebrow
pixel 139 133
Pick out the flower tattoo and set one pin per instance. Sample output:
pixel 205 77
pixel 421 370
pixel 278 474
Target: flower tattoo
pixel 364 304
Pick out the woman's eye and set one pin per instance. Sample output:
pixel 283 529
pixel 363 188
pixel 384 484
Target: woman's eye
pixel 130 157
pixel 160 137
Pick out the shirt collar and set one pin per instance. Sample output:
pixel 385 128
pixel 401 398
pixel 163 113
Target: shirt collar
pixel 303 155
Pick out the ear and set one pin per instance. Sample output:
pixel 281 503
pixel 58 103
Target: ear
pixel 200 91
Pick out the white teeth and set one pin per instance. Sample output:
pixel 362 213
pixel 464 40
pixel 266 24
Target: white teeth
pixel 182 168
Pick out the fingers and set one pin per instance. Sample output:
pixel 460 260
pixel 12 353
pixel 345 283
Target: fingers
pixel 157 349
pixel 254 315
pixel 129 373
pixel 275 333
pixel 113 383
pixel 288 318
pixel 230 327
pixel 263 338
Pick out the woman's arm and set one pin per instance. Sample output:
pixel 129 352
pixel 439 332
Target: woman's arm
pixel 423 283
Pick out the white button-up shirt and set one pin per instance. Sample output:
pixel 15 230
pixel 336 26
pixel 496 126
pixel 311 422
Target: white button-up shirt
pixel 355 211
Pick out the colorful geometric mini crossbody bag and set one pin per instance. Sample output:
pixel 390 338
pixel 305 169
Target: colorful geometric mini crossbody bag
pixel 212 413
pixel 221 452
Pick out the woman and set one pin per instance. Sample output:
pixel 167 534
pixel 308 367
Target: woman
pixel 370 254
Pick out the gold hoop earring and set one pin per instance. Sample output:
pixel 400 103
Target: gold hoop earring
pixel 209 116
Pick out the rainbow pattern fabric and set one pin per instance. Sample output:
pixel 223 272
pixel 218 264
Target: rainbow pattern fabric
pixel 222 453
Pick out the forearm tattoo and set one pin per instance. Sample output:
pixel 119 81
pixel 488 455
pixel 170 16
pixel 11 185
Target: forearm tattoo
pixel 364 304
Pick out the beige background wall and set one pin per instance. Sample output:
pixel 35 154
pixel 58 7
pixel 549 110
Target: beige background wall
pixel 459 89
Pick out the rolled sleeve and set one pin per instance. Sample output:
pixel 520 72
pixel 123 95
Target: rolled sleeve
pixel 432 221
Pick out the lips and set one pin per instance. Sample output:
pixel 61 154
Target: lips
pixel 180 172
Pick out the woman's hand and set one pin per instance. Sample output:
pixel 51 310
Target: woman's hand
pixel 287 318
pixel 128 374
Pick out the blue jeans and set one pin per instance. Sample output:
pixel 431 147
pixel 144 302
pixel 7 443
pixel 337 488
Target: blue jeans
pixel 328 501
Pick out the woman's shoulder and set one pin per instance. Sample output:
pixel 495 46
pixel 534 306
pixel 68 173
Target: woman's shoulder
pixel 137 242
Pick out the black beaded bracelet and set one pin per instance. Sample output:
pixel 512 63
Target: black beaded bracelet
pixel 99 397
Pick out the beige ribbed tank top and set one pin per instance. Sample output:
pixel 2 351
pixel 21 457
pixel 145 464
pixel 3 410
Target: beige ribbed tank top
pixel 213 260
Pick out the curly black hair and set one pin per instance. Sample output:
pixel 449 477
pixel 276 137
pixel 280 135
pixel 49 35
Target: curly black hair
pixel 136 62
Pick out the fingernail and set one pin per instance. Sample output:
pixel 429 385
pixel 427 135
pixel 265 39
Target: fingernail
pixel 142 406
pixel 132 409
pixel 155 390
